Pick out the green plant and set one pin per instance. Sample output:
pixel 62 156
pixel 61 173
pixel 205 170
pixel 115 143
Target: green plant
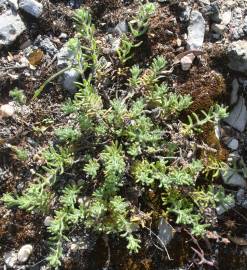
pixel 124 51
pixel 139 25
pixel 215 113
pixel 121 139
pixel 18 95
pixel 21 154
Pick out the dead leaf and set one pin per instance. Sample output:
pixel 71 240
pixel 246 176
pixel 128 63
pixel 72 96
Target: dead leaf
pixel 35 57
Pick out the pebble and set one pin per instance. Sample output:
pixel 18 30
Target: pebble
pixel 237 55
pixel 234 92
pixel 24 253
pixel 121 27
pixel 7 110
pixel 166 232
pixel 187 61
pixel 70 77
pixel 196 31
pixel 226 17
pixel 11 27
pixel 222 208
pixel 10 259
pixel 48 221
pixel 32 7
pixel 233 144
pixel 46 44
pixel 238 116
pixel 74 247
pixel 232 178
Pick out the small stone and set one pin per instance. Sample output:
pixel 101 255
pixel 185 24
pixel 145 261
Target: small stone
pixel 10 259
pixel 7 110
pixel 238 116
pixel 70 77
pixel 237 55
pixel 46 44
pixel 74 247
pixel 63 36
pixel 48 221
pixel 24 253
pixel 121 27
pixel 11 27
pixel 233 144
pixel 185 15
pixel 196 31
pixel 166 232
pixel 234 93
pixel 179 42
pixel 187 61
pixel 232 178
pixel 32 7
pixel 222 208
pixel 226 17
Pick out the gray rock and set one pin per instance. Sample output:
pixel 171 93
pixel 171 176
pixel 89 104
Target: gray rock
pixel 237 55
pixel 234 93
pixel 196 31
pixel 121 27
pixel 187 61
pixel 226 17
pixel 32 7
pixel 233 144
pixel 64 56
pixel 185 15
pixel 46 44
pixel 70 77
pixel 165 232
pixel 231 178
pixel 24 253
pixel 238 116
pixel 11 27
pixel 242 198
pixel 48 221
pixel 222 208
pixel 10 259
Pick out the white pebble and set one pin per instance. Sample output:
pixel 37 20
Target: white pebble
pixel 10 259
pixel 24 253
pixel 48 220
pixel 7 110
pixel 187 61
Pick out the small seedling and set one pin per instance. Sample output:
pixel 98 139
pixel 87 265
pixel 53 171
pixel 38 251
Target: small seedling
pixel 139 25
pixel 18 95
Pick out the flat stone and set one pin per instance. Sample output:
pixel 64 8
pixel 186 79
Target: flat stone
pixel 11 27
pixel 237 55
pixel 187 61
pixel 32 7
pixel 222 208
pixel 70 77
pixel 7 110
pixel 165 232
pixel 10 259
pixel 196 31
pixel 121 27
pixel 24 253
pixel 233 144
pixel 232 178
pixel 234 92
pixel 226 17
pixel 238 116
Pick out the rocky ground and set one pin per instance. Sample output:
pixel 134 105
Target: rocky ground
pixel 205 43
